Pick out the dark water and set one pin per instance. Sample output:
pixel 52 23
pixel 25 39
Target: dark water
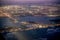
pixel 38 34
pixel 40 19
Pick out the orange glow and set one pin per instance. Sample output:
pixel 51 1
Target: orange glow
pixel 10 16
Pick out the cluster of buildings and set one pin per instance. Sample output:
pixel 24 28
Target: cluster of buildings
pixel 33 10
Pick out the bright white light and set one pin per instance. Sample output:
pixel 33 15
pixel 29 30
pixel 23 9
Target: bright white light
pixel 40 26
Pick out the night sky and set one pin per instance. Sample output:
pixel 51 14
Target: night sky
pixel 30 1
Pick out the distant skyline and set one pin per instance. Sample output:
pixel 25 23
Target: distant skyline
pixel 29 1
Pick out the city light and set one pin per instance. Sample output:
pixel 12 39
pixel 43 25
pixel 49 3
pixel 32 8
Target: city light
pixel 11 10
